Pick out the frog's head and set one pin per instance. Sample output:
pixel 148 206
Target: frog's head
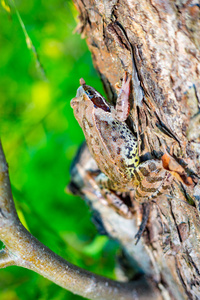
pixel 87 99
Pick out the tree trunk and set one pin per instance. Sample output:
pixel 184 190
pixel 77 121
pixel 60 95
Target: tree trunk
pixel 159 39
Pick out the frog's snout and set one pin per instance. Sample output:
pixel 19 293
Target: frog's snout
pixel 73 102
pixel 80 92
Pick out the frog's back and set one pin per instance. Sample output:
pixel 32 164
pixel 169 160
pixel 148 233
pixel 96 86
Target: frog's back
pixel 118 146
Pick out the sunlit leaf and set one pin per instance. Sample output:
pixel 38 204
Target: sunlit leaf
pixel 5 6
pixel 96 246
pixel 22 218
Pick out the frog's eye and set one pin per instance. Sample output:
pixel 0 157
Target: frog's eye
pixel 96 98
pixel 89 93
pixel 100 102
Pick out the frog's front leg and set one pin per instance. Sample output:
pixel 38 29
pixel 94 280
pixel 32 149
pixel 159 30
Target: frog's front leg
pixel 122 108
pixel 107 189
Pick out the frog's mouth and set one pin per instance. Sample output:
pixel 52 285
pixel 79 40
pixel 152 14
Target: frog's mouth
pixel 80 92
pixel 75 101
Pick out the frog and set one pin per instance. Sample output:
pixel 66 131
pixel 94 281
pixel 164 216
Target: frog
pixel 114 147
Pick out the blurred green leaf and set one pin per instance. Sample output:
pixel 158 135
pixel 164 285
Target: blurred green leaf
pixel 40 137
pixel 5 6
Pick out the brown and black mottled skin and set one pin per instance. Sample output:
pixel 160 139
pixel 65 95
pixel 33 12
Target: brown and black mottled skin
pixel 114 146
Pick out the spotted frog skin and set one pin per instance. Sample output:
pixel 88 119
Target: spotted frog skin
pixel 113 145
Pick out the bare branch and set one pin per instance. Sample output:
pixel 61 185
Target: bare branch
pixel 25 250
pixel 6 259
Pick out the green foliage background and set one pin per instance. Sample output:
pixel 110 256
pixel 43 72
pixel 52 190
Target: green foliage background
pixel 40 138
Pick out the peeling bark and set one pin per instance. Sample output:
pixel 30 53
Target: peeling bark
pixel 159 39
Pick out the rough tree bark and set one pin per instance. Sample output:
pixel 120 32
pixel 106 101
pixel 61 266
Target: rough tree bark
pixel 159 39
pixel 164 37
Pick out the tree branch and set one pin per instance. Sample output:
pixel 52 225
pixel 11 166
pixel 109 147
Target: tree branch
pixel 160 41
pixel 23 249
pixel 5 259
